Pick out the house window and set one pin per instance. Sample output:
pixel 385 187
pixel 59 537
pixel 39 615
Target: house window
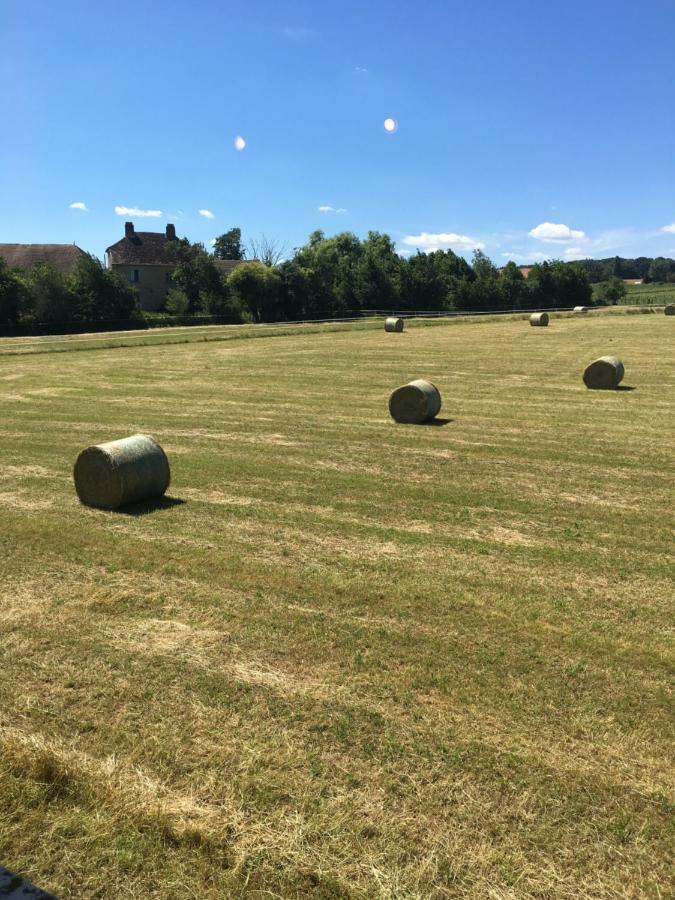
pixel 133 275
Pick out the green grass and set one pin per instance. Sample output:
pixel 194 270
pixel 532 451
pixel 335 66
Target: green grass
pixel 359 659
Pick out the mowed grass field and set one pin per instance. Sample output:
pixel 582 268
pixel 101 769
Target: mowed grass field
pixel 347 658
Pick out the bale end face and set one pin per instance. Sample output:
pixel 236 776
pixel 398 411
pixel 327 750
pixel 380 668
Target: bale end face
pixel 118 473
pixel 539 319
pixel 393 324
pixel 670 310
pixel 415 403
pixel 604 374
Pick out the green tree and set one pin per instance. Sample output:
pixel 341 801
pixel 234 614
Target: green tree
pixel 99 293
pixel 229 246
pixel 611 291
pixel 512 287
pixel 483 266
pixel 661 269
pixel 555 283
pixel 256 288
pixel 12 295
pixel 196 276
pixel 48 296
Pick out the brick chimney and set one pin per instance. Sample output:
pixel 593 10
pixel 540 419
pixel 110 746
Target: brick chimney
pixel 128 229
pixel 171 232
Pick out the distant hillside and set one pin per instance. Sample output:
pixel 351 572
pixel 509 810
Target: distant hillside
pixel 659 269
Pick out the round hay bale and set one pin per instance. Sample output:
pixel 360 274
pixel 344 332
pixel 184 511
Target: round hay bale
pixel 118 473
pixel 393 324
pixel 580 310
pixel 416 402
pixel 604 373
pixel 539 319
pixel 670 310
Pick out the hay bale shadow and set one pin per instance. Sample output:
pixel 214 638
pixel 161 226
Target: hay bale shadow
pixel 149 506
pixel 624 387
pixel 437 422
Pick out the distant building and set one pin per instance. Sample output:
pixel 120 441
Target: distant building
pixel 524 270
pixel 62 257
pixel 633 280
pixel 143 258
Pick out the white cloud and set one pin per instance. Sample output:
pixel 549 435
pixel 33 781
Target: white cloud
pixel 405 253
pixel 518 256
pixel 669 229
pixel 79 205
pixel 574 253
pixel 551 233
pixel 141 213
pixel 442 241
pixel 207 214
pixel 332 209
pixel 212 242
pixel 360 69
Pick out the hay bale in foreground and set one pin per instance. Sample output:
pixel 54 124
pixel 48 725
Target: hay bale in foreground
pixel 416 402
pixel 118 473
pixel 604 373
pixel 670 310
pixel 393 324
pixel 580 310
pixel 539 319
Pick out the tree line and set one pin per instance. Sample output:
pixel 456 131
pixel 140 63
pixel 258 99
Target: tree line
pixel 41 294
pixel 328 277
pixel 344 275
pixel 649 269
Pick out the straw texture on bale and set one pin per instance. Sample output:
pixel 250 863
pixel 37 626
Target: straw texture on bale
pixel 670 310
pixel 539 319
pixel 416 402
pixel 393 324
pixel 580 309
pixel 604 373
pixel 121 472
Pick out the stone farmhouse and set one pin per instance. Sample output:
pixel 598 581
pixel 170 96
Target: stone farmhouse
pixel 143 258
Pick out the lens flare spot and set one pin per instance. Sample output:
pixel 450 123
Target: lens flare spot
pixel 390 125
pixel 239 143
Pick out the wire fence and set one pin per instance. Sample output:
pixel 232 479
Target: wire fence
pixel 48 329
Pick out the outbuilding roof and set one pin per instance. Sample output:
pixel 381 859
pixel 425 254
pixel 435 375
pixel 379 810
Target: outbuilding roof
pixel 62 257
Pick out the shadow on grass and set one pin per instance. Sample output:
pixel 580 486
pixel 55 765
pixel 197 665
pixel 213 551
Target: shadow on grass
pixel 438 422
pixel 624 387
pixel 150 506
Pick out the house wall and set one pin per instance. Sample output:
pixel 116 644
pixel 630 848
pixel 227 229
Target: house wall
pixel 152 284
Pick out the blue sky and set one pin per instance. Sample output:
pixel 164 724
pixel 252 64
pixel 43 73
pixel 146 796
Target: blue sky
pixel 529 129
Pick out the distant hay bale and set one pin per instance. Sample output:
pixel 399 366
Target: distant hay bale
pixel 670 310
pixel 121 472
pixel 580 310
pixel 539 319
pixel 393 324
pixel 604 373
pixel 416 402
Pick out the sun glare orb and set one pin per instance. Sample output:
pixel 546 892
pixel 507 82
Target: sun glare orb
pixel 239 143
pixel 390 125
